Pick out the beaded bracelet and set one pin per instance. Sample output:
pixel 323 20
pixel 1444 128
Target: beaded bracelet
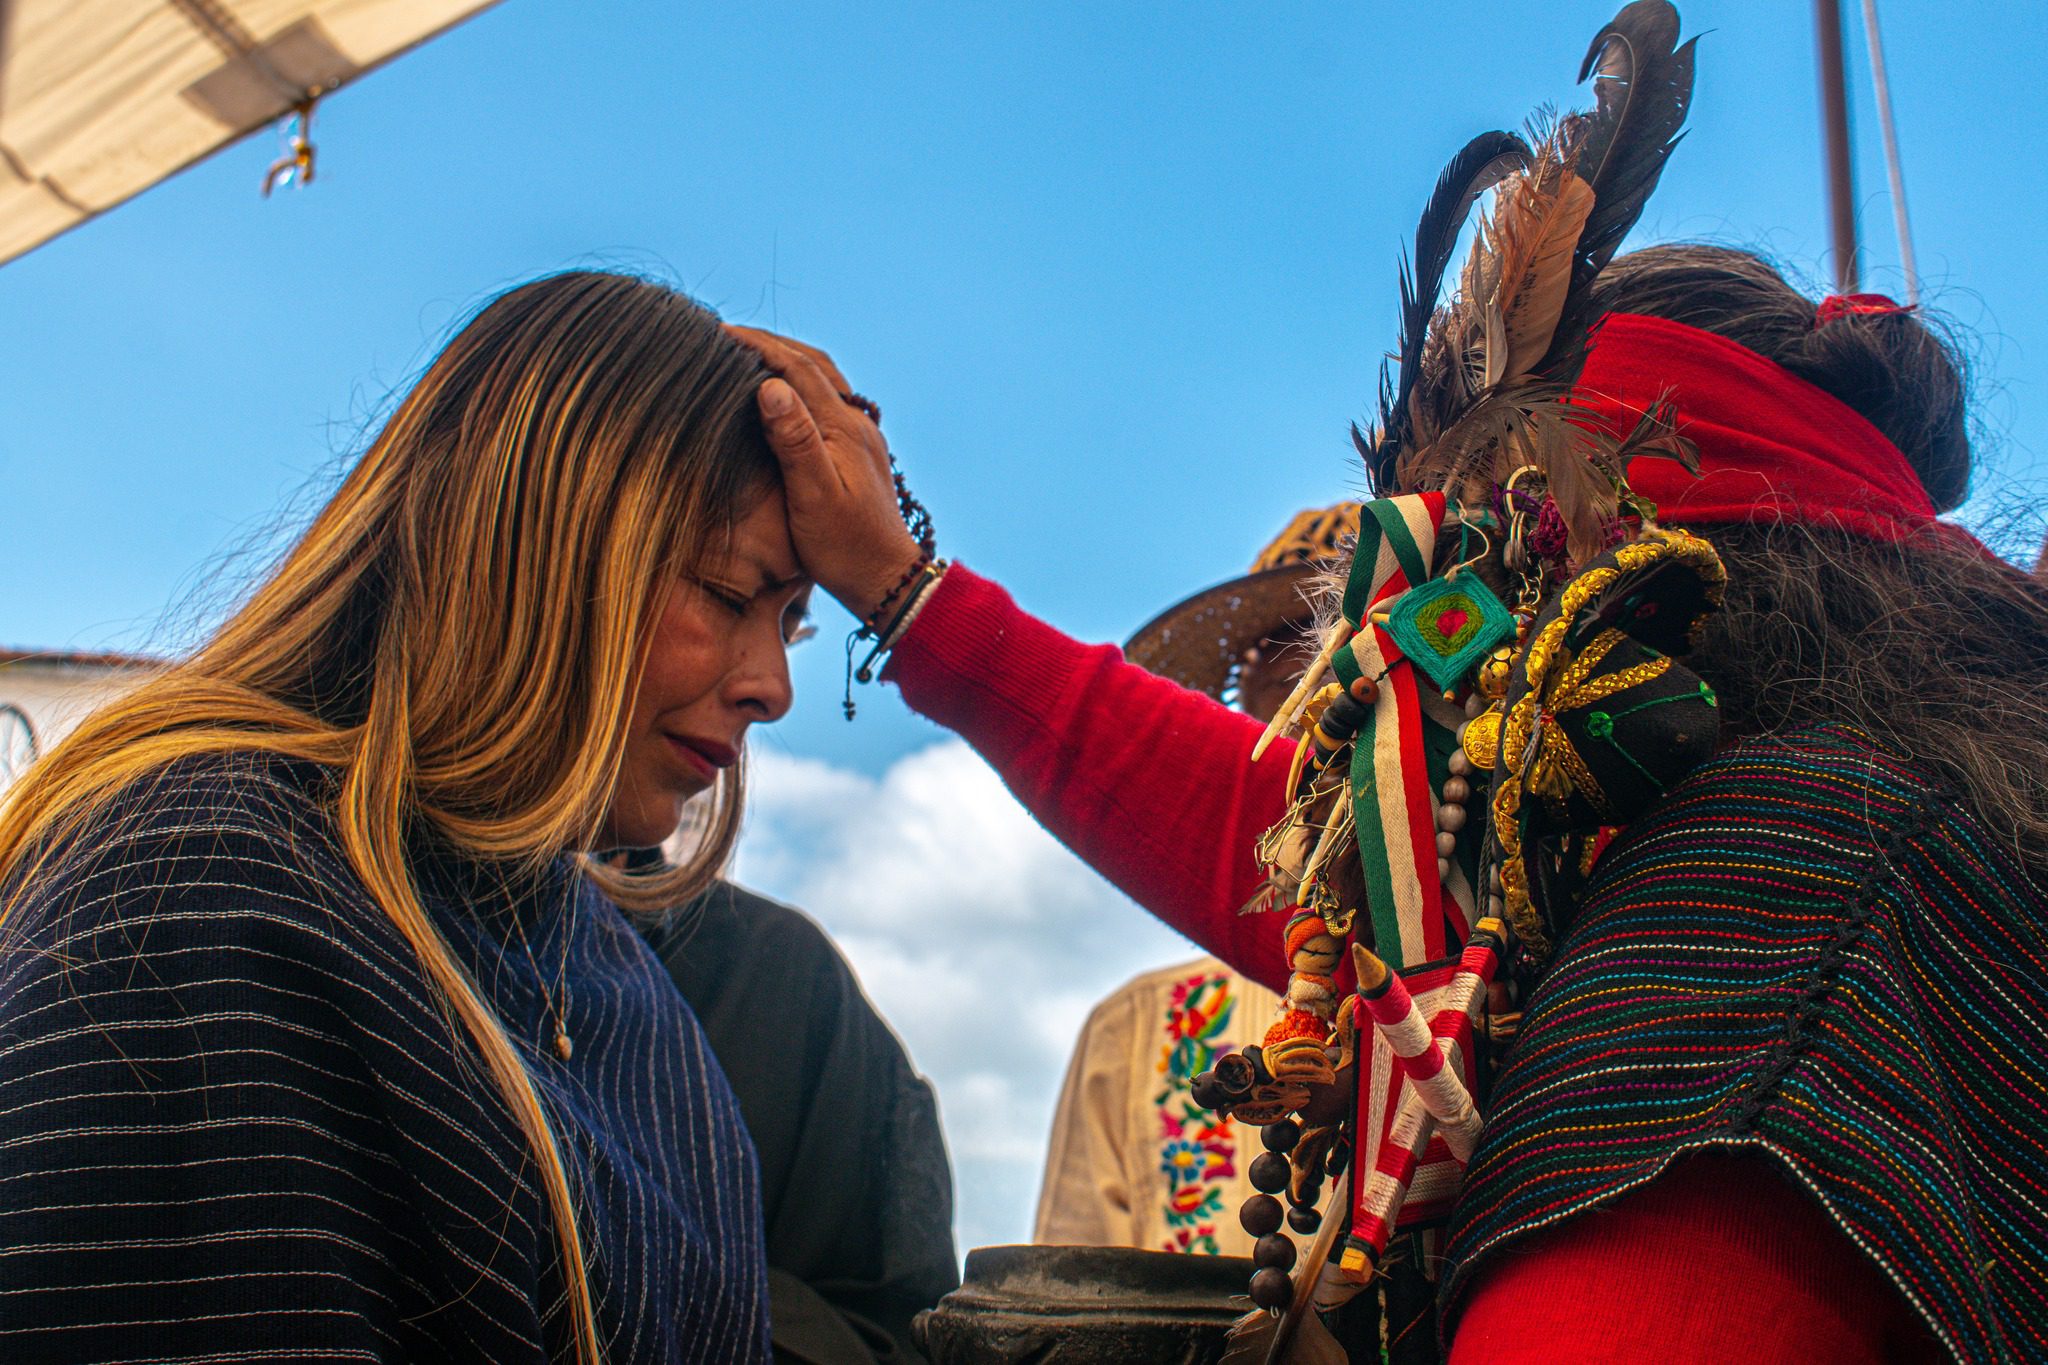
pixel 871 622
pixel 922 581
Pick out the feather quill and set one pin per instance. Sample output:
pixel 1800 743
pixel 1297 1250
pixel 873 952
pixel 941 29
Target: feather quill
pixel 1252 1339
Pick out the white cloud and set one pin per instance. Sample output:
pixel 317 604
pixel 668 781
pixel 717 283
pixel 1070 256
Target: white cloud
pixel 979 938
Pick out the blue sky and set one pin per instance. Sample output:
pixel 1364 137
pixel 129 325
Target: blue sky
pixel 1120 275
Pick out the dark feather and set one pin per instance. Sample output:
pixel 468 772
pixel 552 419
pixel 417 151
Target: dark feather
pixel 1654 434
pixel 1634 36
pixel 1458 411
pixel 1473 171
pixel 1642 87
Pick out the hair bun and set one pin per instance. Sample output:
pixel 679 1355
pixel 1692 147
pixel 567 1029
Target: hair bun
pixel 1902 376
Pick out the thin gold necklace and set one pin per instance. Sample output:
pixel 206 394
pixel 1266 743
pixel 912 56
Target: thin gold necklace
pixel 564 1046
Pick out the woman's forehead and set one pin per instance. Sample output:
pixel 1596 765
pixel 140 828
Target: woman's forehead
pixel 759 543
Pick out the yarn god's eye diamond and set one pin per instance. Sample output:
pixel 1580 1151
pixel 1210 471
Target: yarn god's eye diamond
pixel 1447 625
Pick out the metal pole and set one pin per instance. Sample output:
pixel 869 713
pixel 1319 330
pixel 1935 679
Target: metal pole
pixel 1883 88
pixel 1834 119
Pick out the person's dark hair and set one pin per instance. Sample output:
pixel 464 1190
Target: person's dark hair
pixel 1935 651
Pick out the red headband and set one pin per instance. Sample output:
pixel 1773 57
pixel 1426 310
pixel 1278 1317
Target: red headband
pixel 1772 446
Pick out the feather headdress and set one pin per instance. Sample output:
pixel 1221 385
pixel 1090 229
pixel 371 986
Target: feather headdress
pixel 1485 377
pixel 1478 438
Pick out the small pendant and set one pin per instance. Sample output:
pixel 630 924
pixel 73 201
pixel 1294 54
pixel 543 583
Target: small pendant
pixel 563 1047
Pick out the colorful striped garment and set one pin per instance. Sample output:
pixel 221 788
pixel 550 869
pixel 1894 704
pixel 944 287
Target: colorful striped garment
pixel 1812 951
pixel 234 1123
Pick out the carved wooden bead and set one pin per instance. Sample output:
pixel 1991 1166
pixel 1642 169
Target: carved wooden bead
pixel 1457 790
pixel 1450 817
pixel 1269 1172
pixel 1234 1076
pixel 1275 1250
pixel 1364 691
pixel 1271 1289
pixel 1446 844
pixel 1345 716
pixel 1259 1215
pixel 1460 765
pixel 1443 868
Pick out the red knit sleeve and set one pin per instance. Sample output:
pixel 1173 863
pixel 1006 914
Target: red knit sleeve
pixel 1719 1259
pixel 1150 783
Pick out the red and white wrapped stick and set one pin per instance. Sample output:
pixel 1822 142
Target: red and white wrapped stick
pixel 1423 1058
pixel 1478 965
pixel 1385 1188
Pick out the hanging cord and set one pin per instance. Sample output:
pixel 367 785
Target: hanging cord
pixel 1891 150
pixel 908 596
pixel 295 167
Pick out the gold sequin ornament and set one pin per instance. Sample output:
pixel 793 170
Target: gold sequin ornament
pixel 1491 681
pixel 1480 739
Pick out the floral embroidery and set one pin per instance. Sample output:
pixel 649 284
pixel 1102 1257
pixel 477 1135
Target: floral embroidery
pixel 1197 1147
pixel 1191 1203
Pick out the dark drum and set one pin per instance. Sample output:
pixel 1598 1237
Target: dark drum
pixel 1086 1306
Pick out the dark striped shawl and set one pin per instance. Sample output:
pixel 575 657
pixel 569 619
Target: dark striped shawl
pixel 233 1124
pixel 1809 950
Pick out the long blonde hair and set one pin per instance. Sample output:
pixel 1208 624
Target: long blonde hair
pixel 459 632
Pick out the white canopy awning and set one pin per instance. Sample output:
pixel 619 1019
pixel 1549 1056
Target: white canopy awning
pixel 100 99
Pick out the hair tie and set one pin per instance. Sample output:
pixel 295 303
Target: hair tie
pixel 1842 305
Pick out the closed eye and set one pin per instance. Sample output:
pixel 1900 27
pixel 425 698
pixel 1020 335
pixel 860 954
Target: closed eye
pixel 732 600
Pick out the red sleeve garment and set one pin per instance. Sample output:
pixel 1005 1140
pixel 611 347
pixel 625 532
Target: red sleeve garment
pixel 1150 783
pixel 1719 1259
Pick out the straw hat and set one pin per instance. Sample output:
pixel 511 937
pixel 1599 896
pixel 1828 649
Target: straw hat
pixel 1201 642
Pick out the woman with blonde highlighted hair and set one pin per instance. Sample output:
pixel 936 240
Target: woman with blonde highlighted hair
pixel 322 1035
